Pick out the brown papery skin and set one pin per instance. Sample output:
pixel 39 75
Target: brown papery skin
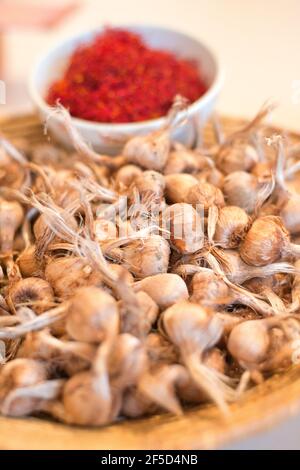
pixel 121 271
pixel 266 241
pixel 185 225
pixel 232 225
pixel 290 214
pixel 205 195
pixel 69 273
pixel 160 350
pixel 240 189
pixel 11 217
pixel 84 402
pixel 241 157
pixel 126 175
pixel 150 152
pixel 138 323
pixel 183 323
pixel 127 361
pixel 165 289
pixel 249 341
pixel 93 315
pixel 182 161
pixel 104 230
pixel 208 289
pixel 148 256
pixel 150 183
pixel 28 263
pixel 262 169
pixel 296 286
pixel 278 283
pixel 32 291
pixel 41 226
pixel 238 272
pixel 212 176
pixel 21 373
pixel 178 186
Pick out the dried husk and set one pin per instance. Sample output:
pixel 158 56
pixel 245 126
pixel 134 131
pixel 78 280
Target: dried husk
pixel 33 292
pixel 245 190
pixel 150 185
pixel 67 274
pixel 28 262
pixel 21 373
pixel 126 175
pixel 93 315
pixel 250 341
pixel 204 195
pixel 160 350
pixel 145 257
pixel 127 362
pixel 150 152
pixel 165 289
pixel 11 217
pixel 104 230
pixel 239 157
pixel 138 320
pixel 208 289
pixel 267 241
pixel 178 186
pixel 186 228
pixel 183 160
pixel 212 176
pixel 232 225
pixel 238 272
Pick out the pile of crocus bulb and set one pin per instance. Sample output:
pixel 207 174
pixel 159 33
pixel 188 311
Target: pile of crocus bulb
pixel 138 284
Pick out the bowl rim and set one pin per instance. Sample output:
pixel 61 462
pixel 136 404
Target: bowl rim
pixel 85 124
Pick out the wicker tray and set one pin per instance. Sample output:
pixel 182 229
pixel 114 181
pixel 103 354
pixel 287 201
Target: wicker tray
pixel 260 408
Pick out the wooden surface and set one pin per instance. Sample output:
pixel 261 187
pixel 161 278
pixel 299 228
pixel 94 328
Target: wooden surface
pixel 200 428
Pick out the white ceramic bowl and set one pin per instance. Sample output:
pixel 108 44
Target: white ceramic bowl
pixel 108 138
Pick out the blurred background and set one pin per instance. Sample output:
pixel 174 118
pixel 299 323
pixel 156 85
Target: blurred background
pixel 257 43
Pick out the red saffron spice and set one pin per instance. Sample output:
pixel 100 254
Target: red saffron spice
pixel 117 78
